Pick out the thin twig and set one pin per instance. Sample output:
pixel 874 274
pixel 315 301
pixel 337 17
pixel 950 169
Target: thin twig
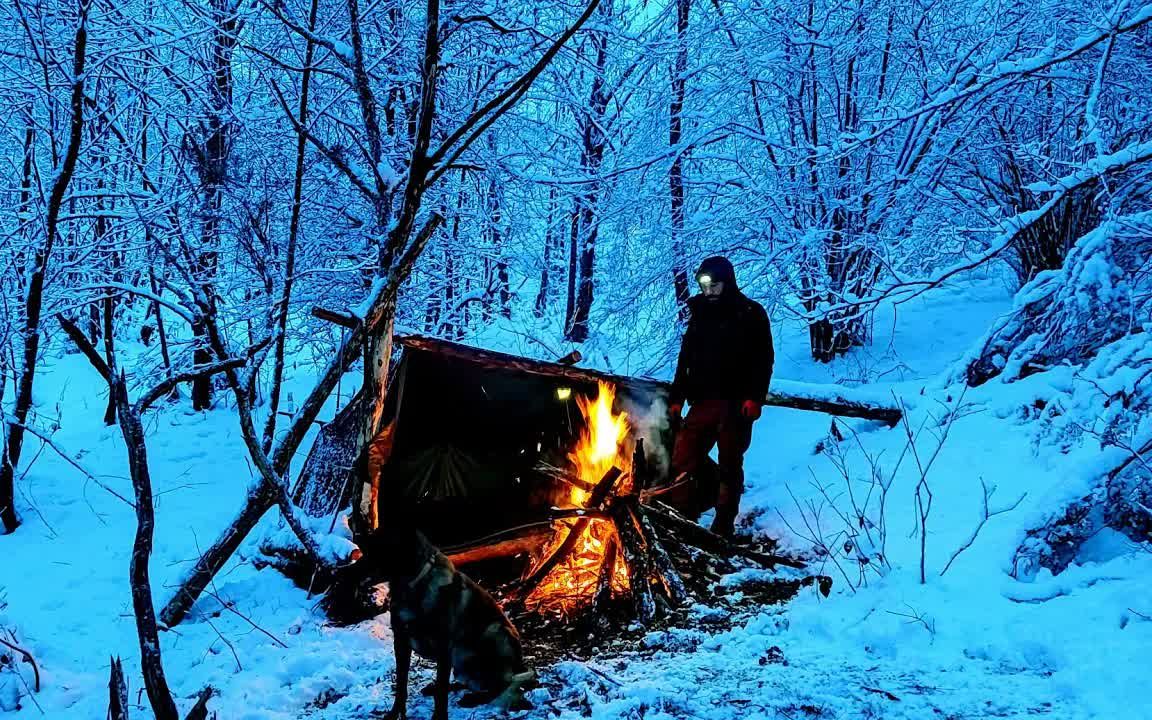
pixel 983 519
pixel 47 440
pixel 228 606
pixel 27 656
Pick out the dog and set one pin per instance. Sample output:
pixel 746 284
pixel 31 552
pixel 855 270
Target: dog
pixel 445 617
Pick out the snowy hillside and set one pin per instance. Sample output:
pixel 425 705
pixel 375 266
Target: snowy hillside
pixel 307 304
pixel 972 642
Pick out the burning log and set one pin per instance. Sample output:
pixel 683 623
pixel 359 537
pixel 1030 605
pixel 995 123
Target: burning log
pixel 595 500
pixel 563 476
pixel 604 488
pixel 517 541
pixel 603 593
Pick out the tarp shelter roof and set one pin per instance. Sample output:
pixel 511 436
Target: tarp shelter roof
pixel 457 407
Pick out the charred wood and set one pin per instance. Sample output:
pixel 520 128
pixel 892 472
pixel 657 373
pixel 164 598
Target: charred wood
pixel 664 571
pixel 636 558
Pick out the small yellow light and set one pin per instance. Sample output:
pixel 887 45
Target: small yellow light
pixel 705 279
pixel 563 393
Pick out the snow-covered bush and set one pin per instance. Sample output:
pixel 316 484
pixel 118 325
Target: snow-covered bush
pixel 1095 315
pixel 1103 293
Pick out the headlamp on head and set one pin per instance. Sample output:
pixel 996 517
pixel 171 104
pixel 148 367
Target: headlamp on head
pixel 704 280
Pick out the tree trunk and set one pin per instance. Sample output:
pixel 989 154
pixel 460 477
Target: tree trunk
pixel 213 166
pixel 573 263
pixel 676 172
pixel 503 289
pixel 544 294
pixel 34 299
pixel 155 684
pixel 293 235
pixel 591 158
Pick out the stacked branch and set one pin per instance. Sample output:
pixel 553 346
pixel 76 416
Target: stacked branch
pixel 650 537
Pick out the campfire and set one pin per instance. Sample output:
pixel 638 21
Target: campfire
pixel 614 541
pixel 593 564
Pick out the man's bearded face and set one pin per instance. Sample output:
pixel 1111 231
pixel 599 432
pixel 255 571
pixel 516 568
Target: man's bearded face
pixel 710 288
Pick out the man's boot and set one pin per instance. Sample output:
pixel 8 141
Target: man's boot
pixel 727 507
pixel 724 524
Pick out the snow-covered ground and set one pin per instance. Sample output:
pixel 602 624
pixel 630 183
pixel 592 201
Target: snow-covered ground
pixel 971 643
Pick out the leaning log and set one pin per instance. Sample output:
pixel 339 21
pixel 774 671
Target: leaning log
pixel 663 569
pixel 637 560
pixel 509 544
pixel 563 476
pixel 708 540
pixel 833 400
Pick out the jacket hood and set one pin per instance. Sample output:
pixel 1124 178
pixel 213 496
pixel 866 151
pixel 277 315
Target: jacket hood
pixel 720 269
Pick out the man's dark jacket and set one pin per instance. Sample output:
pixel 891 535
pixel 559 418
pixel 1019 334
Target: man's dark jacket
pixel 726 353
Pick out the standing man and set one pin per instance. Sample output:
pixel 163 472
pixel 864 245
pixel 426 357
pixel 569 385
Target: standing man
pixel 723 372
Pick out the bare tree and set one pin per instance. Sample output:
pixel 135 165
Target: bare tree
pixel 132 429
pixel 400 247
pixel 676 171
pixel 33 301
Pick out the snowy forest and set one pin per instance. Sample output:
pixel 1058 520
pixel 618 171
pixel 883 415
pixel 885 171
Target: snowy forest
pixel 251 249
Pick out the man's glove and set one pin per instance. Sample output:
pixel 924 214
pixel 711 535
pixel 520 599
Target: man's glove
pixel 674 409
pixel 750 409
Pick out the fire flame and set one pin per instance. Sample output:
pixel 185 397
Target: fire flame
pixel 573 583
pixel 601 441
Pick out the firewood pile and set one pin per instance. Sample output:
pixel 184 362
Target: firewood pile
pixel 622 558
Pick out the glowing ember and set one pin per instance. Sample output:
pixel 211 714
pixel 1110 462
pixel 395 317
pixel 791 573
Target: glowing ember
pixel 574 582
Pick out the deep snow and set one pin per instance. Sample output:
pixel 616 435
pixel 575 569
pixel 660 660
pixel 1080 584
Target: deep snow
pixel 974 643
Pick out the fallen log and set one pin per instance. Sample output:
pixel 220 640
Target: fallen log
pixel 833 400
pixel 524 539
pixel 708 540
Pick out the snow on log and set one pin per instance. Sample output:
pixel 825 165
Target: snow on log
pixel 834 400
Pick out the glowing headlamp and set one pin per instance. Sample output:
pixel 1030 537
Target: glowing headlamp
pixel 704 279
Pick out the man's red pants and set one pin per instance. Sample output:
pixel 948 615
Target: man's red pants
pixel 713 423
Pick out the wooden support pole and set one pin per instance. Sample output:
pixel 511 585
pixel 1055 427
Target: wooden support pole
pixel 343 319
